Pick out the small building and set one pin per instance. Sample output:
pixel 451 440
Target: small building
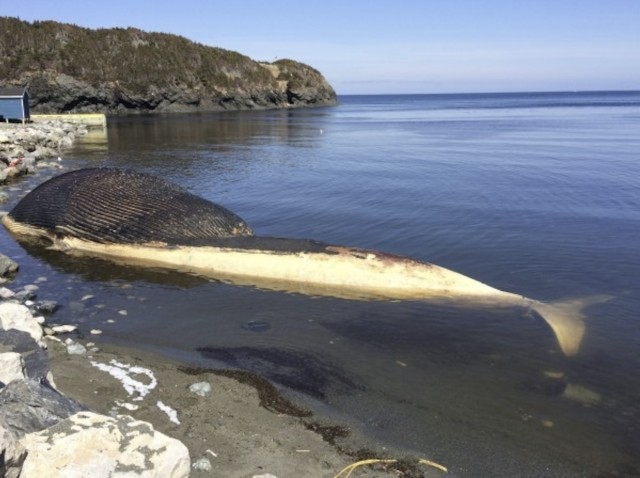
pixel 14 104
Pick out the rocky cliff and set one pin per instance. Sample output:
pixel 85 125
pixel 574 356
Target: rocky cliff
pixel 67 68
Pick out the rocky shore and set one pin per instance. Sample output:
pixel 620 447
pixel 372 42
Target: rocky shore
pixel 73 406
pixel 22 146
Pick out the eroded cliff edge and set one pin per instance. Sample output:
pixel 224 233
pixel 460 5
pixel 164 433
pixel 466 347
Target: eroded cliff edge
pixel 67 68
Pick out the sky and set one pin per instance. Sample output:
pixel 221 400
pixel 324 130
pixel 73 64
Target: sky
pixel 397 46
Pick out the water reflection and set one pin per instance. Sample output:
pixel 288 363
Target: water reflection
pixel 298 128
pixel 95 141
pixel 101 270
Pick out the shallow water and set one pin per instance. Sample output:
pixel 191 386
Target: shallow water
pixel 537 194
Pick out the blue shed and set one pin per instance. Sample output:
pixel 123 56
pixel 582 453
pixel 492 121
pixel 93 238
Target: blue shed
pixel 14 104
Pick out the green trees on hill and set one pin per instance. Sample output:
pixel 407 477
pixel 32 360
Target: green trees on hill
pixel 70 68
pixel 136 59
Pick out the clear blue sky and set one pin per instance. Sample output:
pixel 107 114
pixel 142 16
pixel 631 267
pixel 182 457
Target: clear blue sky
pixel 397 46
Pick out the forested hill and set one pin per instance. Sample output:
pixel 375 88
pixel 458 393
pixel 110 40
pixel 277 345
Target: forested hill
pixel 125 70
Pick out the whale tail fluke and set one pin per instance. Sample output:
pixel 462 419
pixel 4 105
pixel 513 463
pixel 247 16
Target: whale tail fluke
pixel 566 319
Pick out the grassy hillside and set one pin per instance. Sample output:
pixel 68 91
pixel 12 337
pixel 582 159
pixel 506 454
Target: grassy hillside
pixel 121 69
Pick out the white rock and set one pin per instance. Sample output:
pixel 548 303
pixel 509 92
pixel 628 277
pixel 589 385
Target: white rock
pixel 96 331
pixel 12 452
pixel 64 329
pixel 91 445
pixel 200 388
pixel 40 319
pixel 6 293
pixel 203 464
pixel 11 367
pixel 17 316
pixel 52 338
pixel 265 475
pixel 129 406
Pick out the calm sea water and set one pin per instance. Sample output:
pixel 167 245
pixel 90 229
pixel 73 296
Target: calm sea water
pixel 537 194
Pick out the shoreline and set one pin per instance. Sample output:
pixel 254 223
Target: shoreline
pixel 232 422
pixel 25 147
pixel 242 427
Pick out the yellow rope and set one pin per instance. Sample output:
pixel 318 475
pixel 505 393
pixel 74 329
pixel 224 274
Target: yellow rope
pixel 372 461
pixel 349 469
pixel 422 461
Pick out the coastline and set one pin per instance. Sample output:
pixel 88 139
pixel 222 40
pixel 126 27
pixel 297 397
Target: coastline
pixel 243 427
pixel 25 147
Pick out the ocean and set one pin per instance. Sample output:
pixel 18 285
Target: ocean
pixel 533 193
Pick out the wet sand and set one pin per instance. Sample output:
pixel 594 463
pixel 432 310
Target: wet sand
pixel 244 427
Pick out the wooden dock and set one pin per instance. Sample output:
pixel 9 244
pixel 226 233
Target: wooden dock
pixel 89 119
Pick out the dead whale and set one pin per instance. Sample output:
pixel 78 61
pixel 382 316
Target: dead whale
pixel 137 218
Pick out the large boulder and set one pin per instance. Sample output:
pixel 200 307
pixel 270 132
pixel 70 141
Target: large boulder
pixel 34 358
pixel 28 406
pixel 11 367
pixel 18 317
pixel 89 444
pixel 12 454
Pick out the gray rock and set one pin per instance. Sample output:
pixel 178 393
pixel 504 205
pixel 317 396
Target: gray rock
pixel 28 406
pixel 7 266
pixel 24 295
pixel 47 306
pixel 87 444
pixel 35 359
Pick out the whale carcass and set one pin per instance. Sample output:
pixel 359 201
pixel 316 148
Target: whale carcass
pixel 138 218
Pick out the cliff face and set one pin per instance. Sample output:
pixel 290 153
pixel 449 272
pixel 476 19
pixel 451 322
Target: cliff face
pixel 67 68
